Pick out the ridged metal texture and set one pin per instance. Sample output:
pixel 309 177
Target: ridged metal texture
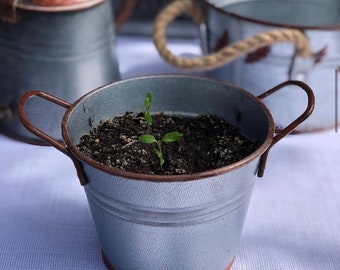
pixel 165 224
pixel 170 221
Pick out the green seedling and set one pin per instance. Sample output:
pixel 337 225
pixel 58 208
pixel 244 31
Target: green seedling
pixel 168 137
pixel 147 104
pixel 150 139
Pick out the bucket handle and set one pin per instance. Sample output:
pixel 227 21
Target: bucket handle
pixel 59 145
pixel 282 133
pixel 80 172
pixel 226 54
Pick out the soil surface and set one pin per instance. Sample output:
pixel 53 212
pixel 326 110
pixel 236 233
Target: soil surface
pixel 208 142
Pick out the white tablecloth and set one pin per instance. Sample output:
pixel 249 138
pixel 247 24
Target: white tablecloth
pixel 293 220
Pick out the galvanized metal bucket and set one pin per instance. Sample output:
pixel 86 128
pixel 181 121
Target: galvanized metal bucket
pixel 65 47
pixel 191 221
pixel 257 44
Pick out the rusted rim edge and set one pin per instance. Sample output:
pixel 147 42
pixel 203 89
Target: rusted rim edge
pixel 168 178
pixel 269 23
pixel 86 4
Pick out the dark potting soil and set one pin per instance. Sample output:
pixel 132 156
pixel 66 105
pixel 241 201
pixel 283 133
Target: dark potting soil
pixel 208 142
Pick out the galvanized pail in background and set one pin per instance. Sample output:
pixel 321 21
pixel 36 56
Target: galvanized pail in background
pixel 191 221
pixel 254 32
pixel 64 47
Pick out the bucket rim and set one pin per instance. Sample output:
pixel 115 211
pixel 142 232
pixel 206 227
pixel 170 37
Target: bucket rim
pixel 67 5
pixel 168 178
pixel 335 26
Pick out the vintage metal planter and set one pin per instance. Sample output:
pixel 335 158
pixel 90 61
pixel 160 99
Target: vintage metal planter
pixel 64 47
pixel 244 43
pixel 168 222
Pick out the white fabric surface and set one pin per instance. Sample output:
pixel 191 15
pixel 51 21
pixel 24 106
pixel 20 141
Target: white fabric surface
pixel 293 221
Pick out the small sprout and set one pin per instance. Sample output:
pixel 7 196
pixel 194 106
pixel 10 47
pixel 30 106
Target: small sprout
pixel 150 139
pixel 168 137
pixel 159 155
pixel 147 104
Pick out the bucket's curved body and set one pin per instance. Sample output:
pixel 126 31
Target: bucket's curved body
pixel 165 225
pixel 182 224
pixel 319 20
pixel 66 51
pixel 191 221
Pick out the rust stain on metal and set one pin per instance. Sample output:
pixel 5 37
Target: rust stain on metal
pixel 8 11
pixel 231 264
pixel 257 55
pixel 318 56
pixel 222 41
pixel 56 3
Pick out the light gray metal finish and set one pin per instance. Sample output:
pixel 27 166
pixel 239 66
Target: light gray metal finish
pixel 318 19
pixel 67 53
pixel 166 225
pixel 170 225
pixel 171 221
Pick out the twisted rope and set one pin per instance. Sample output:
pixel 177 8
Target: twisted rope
pixel 226 54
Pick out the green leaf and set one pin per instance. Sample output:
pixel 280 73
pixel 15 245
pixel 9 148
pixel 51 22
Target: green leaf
pixel 171 136
pixel 147 117
pixel 148 100
pixel 158 153
pixel 161 161
pixel 160 156
pixel 146 138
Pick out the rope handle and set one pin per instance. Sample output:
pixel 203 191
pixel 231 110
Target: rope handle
pixel 226 54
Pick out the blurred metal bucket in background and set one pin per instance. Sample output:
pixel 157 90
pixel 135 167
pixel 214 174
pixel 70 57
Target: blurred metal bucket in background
pixel 226 23
pixel 135 17
pixel 65 47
